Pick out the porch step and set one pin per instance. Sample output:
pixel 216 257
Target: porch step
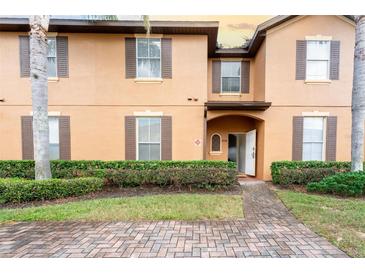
pixel 241 175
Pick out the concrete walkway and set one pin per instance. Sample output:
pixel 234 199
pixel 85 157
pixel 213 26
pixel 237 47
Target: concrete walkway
pixel 268 230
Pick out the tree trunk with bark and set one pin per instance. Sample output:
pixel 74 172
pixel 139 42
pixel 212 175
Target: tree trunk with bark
pixel 39 83
pixel 358 97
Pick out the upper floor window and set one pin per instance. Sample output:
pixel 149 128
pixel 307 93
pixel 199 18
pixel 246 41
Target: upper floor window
pixel 149 138
pixel 313 138
pixel 52 57
pixel 231 77
pixel 318 60
pixel 148 58
pixel 54 139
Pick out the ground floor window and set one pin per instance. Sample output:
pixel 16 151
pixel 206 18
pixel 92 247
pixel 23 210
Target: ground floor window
pixel 216 143
pixel 313 138
pixel 148 138
pixel 54 139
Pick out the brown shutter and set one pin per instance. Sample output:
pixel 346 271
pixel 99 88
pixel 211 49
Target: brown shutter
pixel 245 77
pixel 62 56
pixel 130 137
pixel 27 138
pixel 130 57
pixel 301 60
pixel 166 138
pixel 331 138
pixel 335 60
pixel 216 77
pixel 24 56
pixel 297 148
pixel 65 137
pixel 166 58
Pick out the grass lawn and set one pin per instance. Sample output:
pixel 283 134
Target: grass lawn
pixel 341 221
pixel 153 207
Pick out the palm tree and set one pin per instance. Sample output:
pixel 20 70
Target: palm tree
pixel 358 97
pixel 38 75
pixel 39 82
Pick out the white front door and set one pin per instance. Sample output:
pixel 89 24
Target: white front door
pixel 250 155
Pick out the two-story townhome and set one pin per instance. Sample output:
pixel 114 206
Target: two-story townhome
pixel 115 93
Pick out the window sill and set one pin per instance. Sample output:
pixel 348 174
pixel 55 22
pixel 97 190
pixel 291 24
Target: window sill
pixel 215 152
pixel 53 79
pixel 230 94
pixel 317 82
pixel 148 80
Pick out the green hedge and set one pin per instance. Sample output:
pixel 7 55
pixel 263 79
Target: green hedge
pixel 69 169
pixel 15 190
pixel 304 172
pixel 186 178
pixel 344 184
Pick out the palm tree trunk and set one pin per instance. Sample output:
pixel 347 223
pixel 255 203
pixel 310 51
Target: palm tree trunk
pixel 39 82
pixel 358 97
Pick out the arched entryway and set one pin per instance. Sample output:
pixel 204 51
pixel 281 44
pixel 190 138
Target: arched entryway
pixel 237 138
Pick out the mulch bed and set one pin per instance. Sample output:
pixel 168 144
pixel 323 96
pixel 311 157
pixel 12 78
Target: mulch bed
pixel 116 192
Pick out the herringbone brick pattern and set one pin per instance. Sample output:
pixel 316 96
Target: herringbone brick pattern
pixel 268 230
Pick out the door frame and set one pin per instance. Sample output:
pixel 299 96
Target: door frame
pixel 242 132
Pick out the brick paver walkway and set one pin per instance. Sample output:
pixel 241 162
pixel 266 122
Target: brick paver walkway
pixel 268 230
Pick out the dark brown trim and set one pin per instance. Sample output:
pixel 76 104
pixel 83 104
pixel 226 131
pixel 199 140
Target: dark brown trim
pixel 247 105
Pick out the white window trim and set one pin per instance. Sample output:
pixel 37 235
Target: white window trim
pixel 317 81
pixel 53 78
pixel 220 144
pixel 137 135
pixel 148 79
pixel 238 93
pixel 50 113
pixel 324 139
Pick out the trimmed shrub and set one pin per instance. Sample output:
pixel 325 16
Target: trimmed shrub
pixel 343 184
pixel 198 178
pixel 70 169
pixel 304 172
pixel 21 190
pixel 303 176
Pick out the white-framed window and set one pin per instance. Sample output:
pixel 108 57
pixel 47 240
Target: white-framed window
pixel 148 138
pixel 52 57
pixel 216 143
pixel 318 59
pixel 230 77
pixel 54 139
pixel 148 57
pixel 314 138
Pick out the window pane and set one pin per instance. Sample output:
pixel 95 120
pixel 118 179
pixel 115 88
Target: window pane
pixel 143 69
pixel 51 47
pixel 154 152
pixel 230 84
pixel 318 50
pixel 312 152
pixel 317 70
pixel 155 68
pixel 53 130
pixel 216 143
pixel 51 67
pixel 155 130
pixel 313 129
pixel 231 69
pixel 143 152
pixel 142 49
pixel 54 151
pixel 155 47
pixel 143 130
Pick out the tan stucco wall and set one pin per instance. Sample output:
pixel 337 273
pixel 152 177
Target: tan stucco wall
pixel 281 86
pixel 259 73
pixel 97 96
